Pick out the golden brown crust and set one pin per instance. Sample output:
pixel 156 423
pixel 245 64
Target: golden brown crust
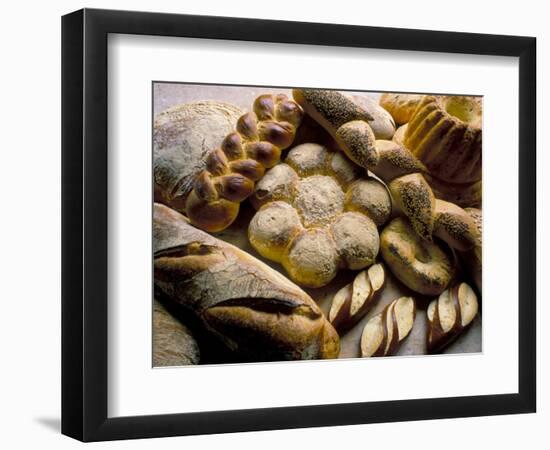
pixel 183 138
pixel 455 226
pixel 241 160
pixel 422 266
pixel 445 134
pixel 253 309
pixel 317 214
pixel 400 106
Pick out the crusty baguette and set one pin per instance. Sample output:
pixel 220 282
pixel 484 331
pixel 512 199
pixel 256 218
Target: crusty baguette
pixel 253 309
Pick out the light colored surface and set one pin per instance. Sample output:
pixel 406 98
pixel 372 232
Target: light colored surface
pixel 30 386
pixel 170 94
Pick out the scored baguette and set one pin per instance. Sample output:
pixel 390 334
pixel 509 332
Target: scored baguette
pixel 254 310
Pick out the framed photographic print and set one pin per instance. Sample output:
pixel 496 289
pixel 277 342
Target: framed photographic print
pixel 276 224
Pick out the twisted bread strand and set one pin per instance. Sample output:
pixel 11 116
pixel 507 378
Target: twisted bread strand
pixel 232 170
pixel 394 164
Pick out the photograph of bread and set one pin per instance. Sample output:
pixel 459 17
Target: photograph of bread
pixel 308 224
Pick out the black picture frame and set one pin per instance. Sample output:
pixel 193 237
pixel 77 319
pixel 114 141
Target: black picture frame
pixel 84 224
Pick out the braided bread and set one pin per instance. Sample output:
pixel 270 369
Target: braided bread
pixel 394 164
pixel 183 137
pixel 317 214
pixel 449 315
pixel 233 169
pixel 384 332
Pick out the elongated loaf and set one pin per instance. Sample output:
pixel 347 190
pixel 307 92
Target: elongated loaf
pixel 253 309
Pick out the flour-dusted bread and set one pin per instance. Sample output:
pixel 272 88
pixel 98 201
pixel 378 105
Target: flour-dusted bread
pixel 173 342
pixel 183 137
pixel 318 213
pixel 254 310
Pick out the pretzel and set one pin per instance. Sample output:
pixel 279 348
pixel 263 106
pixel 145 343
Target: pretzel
pixel 233 169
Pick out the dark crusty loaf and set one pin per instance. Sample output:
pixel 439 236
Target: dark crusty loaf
pixel 253 309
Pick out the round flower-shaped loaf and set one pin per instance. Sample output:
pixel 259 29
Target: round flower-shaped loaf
pixel 317 213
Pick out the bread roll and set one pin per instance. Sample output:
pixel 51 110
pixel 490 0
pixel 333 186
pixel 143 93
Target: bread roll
pixel 253 310
pixel 422 266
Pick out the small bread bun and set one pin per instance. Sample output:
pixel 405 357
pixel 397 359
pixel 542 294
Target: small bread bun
pixel 421 265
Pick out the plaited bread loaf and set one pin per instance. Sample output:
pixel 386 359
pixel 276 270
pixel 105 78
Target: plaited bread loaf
pixel 384 332
pixel 233 169
pixel 449 315
pixel 394 164
pixel 254 310
pixel 173 342
pixel 317 214
pixel 183 137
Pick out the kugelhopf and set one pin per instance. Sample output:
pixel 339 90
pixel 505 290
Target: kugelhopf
pixel 445 134
pixel 253 310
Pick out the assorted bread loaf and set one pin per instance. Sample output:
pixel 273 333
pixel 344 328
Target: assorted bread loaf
pixel 318 211
pixel 255 311
pixel 241 160
pixel 399 168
